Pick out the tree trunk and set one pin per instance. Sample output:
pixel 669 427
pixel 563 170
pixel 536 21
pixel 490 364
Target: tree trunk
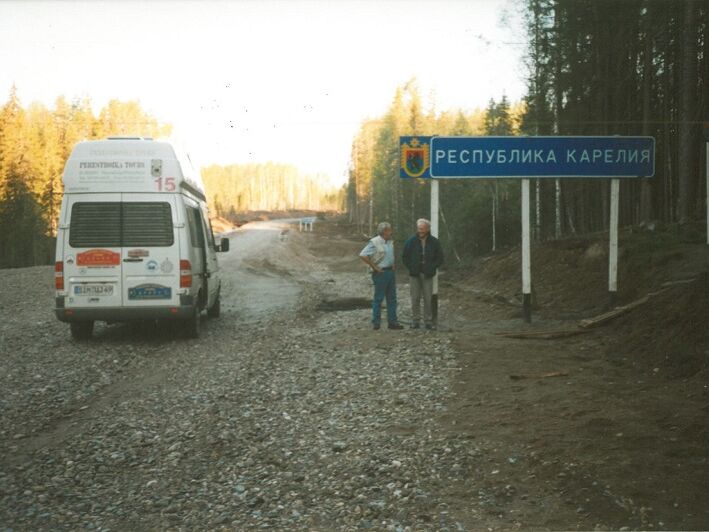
pixel 371 205
pixel 646 211
pixel 687 110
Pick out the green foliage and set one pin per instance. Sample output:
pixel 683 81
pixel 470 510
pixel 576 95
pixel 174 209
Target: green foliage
pixel 23 241
pixel 377 193
pixel 128 119
pixel 34 145
pixel 635 67
pixel 498 122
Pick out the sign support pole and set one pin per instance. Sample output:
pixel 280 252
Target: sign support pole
pixel 613 237
pixel 706 149
pixel 526 255
pixel 434 232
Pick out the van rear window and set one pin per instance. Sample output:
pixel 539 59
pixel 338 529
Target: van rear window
pixel 147 224
pixel 95 225
pixel 114 224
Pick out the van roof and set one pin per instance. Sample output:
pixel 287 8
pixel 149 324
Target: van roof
pixel 130 164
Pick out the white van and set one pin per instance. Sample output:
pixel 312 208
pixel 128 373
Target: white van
pixel 134 239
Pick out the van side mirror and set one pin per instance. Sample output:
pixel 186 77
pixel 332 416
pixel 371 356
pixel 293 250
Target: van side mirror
pixel 224 245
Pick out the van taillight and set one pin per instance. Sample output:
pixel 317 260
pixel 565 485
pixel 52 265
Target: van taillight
pixel 185 274
pixel 59 275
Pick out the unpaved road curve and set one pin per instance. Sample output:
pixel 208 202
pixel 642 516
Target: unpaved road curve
pixel 276 417
pixel 250 287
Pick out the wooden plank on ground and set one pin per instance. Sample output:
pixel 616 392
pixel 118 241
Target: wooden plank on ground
pixel 543 335
pixel 596 321
pixel 615 313
pixel 539 375
pixel 670 284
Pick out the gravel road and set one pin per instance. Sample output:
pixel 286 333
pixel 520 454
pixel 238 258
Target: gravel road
pixel 279 416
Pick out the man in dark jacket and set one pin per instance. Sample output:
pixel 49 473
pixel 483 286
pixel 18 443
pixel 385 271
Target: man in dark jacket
pixel 423 255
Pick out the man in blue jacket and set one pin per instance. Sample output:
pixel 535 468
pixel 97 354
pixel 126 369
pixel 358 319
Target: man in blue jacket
pixel 423 255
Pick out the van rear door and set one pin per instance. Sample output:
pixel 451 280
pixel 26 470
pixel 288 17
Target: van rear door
pixel 92 251
pixel 150 256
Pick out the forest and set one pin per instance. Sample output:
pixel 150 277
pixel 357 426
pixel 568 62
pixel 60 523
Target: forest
pixel 34 145
pixel 601 67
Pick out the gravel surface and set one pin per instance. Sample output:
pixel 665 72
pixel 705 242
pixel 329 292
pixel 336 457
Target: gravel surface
pixel 279 416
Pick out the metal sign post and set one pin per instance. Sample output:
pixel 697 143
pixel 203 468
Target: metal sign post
pixel 434 232
pixel 613 251
pixel 526 255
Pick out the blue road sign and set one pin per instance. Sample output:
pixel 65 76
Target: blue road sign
pixel 531 157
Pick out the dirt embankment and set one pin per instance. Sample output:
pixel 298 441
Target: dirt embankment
pixel 604 429
pixel 570 279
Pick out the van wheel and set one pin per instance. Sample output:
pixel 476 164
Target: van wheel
pixel 192 324
pixel 215 310
pixel 81 330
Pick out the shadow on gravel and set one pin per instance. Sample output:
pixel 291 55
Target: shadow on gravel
pixel 143 332
pixel 345 303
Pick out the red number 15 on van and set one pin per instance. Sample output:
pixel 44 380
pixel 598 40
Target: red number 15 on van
pixel 165 184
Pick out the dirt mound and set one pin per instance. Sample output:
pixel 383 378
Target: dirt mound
pixel 279 258
pixel 570 279
pixel 571 275
pixel 568 276
pixel 670 332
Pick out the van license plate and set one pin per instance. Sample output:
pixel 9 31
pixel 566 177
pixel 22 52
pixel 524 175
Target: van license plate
pixel 93 290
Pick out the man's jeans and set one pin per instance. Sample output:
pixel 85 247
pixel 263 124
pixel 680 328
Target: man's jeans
pixel 421 286
pixel 384 286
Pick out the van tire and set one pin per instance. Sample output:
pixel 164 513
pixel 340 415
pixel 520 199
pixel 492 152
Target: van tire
pixel 192 324
pixel 81 330
pixel 215 310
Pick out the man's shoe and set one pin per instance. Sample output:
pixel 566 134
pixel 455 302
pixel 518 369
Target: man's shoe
pixel 430 326
pixel 396 326
pixel 376 327
pixel 415 325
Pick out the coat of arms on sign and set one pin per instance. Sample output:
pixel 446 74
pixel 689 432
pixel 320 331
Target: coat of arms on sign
pixel 414 158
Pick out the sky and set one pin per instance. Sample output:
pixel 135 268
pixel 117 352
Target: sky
pixel 256 81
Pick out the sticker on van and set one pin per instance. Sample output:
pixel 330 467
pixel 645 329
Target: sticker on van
pixel 98 257
pixel 166 266
pixel 156 167
pixel 150 291
pixel 136 253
